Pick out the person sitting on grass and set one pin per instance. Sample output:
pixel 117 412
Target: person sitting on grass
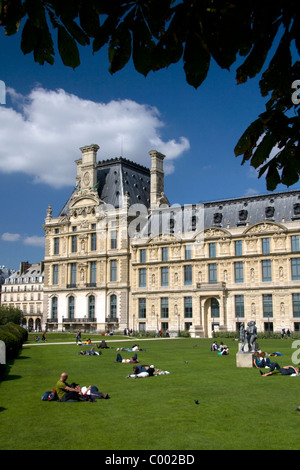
pixel 224 351
pixel 66 392
pixel 103 345
pixel 286 370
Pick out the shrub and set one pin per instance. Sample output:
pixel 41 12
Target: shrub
pixel 13 337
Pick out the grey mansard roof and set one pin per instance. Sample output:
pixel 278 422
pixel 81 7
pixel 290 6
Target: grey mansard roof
pixel 115 178
pixel 276 207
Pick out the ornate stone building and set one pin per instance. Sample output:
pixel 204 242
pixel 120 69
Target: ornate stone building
pixel 24 290
pixel 120 255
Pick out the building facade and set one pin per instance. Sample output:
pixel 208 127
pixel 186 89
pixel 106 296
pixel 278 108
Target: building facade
pixel 120 255
pixel 24 290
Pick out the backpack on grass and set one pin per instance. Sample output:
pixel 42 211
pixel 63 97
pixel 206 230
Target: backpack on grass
pixel 49 396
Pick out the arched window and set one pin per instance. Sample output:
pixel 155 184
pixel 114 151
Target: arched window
pixel 91 306
pixel 71 303
pixel 54 308
pixel 113 306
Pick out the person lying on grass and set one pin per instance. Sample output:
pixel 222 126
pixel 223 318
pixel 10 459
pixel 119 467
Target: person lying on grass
pixel 286 370
pixel 93 392
pixel 134 348
pixel 91 352
pixel 133 359
pixel 146 371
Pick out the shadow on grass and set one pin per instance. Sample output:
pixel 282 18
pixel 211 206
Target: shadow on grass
pixel 5 372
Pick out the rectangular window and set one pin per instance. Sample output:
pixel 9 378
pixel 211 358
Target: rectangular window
pixel 265 244
pixel 113 239
pixel 266 270
pixel 113 270
pixel 55 274
pixel 164 276
pixel 56 246
pixel 295 243
pixel 93 241
pixel 212 250
pixel 164 254
pixel 296 305
pixel 188 275
pixel 54 308
pixel 142 308
pixel 164 307
pixel 239 306
pixel 142 256
pixel 93 272
pixel 188 307
pixel 74 244
pixel 188 252
pixel 267 305
pixel 212 273
pixel 142 277
pixel 238 248
pixel 239 272
pixel 73 273
pixel 295 265
pixel 215 308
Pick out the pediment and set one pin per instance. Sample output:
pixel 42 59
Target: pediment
pixel 264 227
pixel 163 237
pixel 213 232
pixel 83 202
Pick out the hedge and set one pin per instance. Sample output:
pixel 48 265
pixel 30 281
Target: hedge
pixel 13 336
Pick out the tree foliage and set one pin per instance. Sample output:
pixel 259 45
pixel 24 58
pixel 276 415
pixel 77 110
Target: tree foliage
pixel 10 314
pixel 157 33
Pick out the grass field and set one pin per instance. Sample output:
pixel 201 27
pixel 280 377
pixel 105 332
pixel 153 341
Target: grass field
pixel 238 409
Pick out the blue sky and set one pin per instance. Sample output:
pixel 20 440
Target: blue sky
pixel 51 111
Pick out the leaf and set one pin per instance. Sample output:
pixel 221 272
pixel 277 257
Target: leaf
pixel 256 59
pixel 272 176
pixel 67 48
pixel 29 37
pixel 248 140
pixel 89 19
pixel 142 46
pixel 119 51
pixel 196 60
pixel 263 150
pixel 76 32
pixel 36 12
pixel 104 33
pixel 11 14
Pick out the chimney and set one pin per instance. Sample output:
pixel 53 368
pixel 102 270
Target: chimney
pixel 86 167
pixel 157 178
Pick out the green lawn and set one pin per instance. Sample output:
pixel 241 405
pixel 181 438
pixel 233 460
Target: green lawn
pixel 238 409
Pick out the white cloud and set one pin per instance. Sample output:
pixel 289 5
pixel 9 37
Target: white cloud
pixel 251 192
pixel 42 134
pixel 34 241
pixel 10 237
pixel 26 240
